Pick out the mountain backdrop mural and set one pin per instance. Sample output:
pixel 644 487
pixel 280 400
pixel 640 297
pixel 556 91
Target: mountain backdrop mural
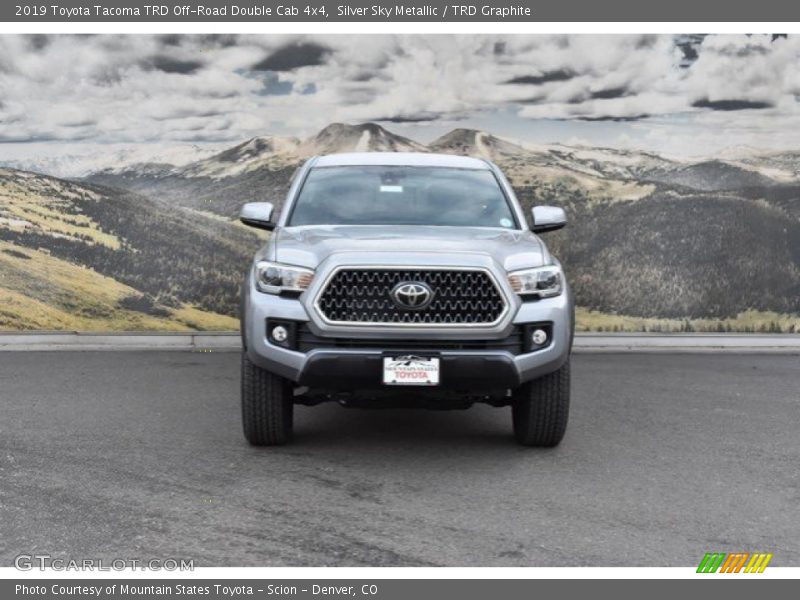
pixel 653 244
pixel 676 223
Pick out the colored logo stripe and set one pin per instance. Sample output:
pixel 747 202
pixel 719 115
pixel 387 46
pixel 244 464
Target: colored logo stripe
pixel 734 562
pixel 758 563
pixel 711 562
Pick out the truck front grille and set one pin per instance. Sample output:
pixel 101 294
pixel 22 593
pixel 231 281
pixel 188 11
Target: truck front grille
pixel 366 296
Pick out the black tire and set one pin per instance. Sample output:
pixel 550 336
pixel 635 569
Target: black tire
pixel 540 409
pixel 267 406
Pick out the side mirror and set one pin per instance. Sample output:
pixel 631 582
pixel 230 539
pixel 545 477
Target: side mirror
pixel 257 214
pixel 548 218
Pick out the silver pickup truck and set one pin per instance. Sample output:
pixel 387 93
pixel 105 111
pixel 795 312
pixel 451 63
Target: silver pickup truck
pixel 405 280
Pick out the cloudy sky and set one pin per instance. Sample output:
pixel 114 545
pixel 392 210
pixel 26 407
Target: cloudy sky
pixel 679 95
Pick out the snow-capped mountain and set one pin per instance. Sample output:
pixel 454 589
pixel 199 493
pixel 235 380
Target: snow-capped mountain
pixel 275 152
pixel 781 166
pixel 252 154
pixel 251 159
pixel 261 167
pixel 595 162
pixel 472 142
pixel 713 175
pixel 611 162
pixel 366 137
pixel 631 213
pixel 75 161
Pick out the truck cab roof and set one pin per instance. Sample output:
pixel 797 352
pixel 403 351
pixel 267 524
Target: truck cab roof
pixel 402 159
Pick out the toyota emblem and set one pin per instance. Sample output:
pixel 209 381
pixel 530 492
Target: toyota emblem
pixel 412 295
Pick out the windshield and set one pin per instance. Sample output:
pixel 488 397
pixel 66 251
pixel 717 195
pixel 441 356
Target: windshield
pixel 399 195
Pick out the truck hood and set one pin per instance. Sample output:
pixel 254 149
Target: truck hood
pixel 309 246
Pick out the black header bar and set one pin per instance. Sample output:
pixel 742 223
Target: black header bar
pixel 278 11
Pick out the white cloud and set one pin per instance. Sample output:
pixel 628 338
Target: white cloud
pixel 204 88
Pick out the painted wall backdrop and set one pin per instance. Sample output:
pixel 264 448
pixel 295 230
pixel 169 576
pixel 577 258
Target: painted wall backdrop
pixel 124 160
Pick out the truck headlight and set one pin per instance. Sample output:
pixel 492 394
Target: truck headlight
pixel 276 278
pixel 541 282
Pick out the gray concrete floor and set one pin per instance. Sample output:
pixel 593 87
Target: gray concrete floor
pixel 140 455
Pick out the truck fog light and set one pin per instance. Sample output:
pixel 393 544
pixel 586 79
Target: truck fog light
pixel 539 337
pixel 279 334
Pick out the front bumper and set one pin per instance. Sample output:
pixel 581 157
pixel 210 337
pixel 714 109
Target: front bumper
pixel 360 369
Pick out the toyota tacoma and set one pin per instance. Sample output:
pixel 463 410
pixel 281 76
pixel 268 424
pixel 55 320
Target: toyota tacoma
pixel 405 280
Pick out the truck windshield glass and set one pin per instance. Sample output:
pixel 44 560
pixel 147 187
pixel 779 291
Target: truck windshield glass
pixel 400 195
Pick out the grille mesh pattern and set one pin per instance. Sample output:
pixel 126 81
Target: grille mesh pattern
pixel 364 296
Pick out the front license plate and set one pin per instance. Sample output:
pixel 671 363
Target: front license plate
pixel 410 370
